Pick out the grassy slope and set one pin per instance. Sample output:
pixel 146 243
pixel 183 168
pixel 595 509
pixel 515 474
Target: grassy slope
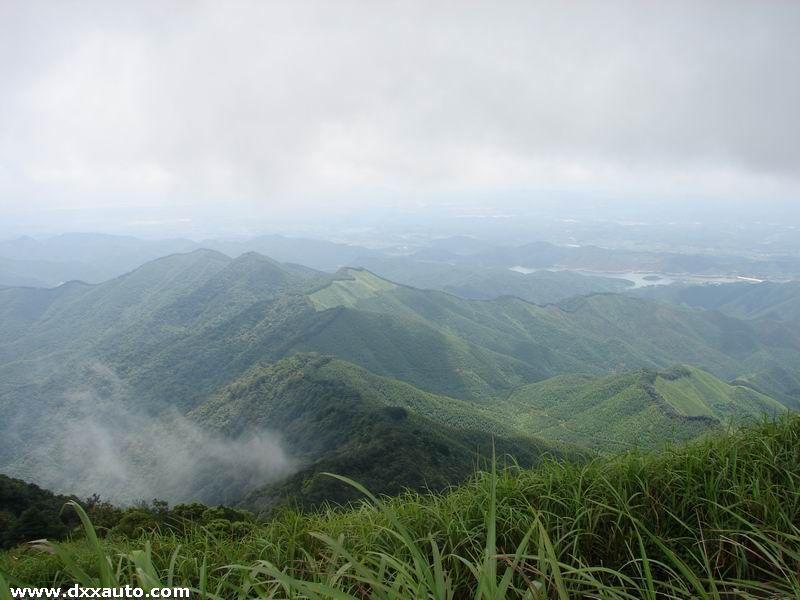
pixel 414 351
pixel 712 520
pixel 641 408
pixel 358 285
pixel 694 393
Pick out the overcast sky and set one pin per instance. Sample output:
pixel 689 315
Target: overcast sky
pixel 291 106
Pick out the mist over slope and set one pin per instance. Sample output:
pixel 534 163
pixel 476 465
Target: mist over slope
pixel 95 438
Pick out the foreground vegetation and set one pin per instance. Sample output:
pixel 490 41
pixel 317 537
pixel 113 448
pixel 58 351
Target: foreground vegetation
pixel 716 519
pixel 28 512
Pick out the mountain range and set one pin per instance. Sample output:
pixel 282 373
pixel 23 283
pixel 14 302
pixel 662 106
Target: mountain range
pixel 462 265
pixel 248 358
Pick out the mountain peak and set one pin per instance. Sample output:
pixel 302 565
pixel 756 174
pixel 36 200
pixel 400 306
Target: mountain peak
pixel 256 258
pixel 349 286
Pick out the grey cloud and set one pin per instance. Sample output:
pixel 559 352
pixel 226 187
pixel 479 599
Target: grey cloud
pixel 253 102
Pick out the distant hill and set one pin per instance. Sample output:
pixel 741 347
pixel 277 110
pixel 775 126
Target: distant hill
pixel 485 283
pixel 462 265
pixel 93 258
pixel 317 254
pixel 465 251
pixel 90 257
pixel 31 273
pixel 767 300
pixel 639 409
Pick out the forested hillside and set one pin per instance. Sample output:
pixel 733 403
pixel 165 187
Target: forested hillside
pixel 517 340
pixel 28 512
pixel 335 417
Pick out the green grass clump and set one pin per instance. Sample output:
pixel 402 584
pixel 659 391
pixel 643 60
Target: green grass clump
pixel 716 519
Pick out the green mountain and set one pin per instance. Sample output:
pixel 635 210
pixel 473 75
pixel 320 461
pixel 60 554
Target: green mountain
pixel 461 265
pixel 641 409
pixel 333 416
pixel 317 254
pixel 164 340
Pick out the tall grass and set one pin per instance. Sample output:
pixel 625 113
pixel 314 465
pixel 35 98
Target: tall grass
pixel 717 519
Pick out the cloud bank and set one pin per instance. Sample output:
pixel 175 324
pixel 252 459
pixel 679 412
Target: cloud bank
pixel 98 439
pixel 336 105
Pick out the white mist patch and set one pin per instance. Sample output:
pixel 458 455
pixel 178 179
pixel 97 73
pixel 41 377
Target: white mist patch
pixel 108 447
